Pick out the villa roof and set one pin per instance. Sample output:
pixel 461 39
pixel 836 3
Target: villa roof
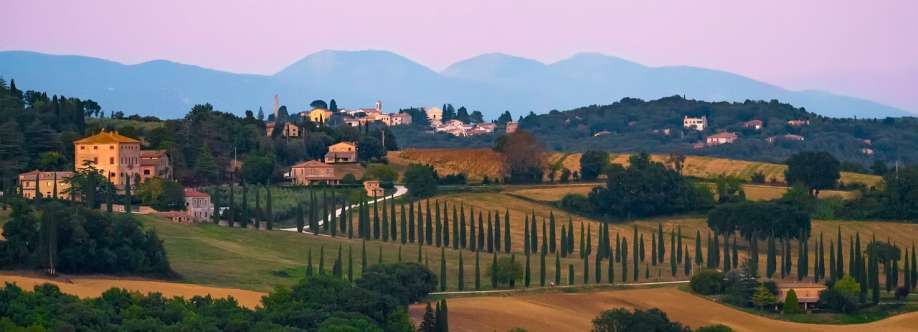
pixel 45 175
pixel 104 137
pixel 152 153
pixel 194 193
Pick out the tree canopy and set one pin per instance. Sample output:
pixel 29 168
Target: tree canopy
pixel 815 170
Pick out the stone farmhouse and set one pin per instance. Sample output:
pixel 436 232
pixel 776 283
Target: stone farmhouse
pixel 721 138
pixel 699 124
pixel 343 152
pixel 46 183
pixel 312 172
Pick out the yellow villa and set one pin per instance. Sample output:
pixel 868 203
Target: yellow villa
pixel 319 115
pixel 46 184
pixel 115 155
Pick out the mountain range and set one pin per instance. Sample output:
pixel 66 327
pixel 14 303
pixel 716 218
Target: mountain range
pixel 490 83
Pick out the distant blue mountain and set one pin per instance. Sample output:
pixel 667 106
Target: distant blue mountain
pixel 490 83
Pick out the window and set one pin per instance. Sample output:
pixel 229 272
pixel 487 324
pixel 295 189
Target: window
pixel 111 160
pixel 111 147
pixel 82 147
pixel 146 172
pixel 94 147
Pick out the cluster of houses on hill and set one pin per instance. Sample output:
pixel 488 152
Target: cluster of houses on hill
pixel 726 137
pixel 457 127
pixel 121 160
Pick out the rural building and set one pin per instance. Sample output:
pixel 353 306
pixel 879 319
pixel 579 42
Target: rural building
pixel 482 129
pixel 798 123
pixel 175 216
pixel 45 182
pixel 721 138
pixel 373 189
pixel 115 155
pixel 312 172
pixel 807 293
pixel 155 163
pixel 511 127
pixel 319 115
pixel 399 119
pixel 290 130
pixel 753 124
pixel 699 124
pixel 198 205
pixel 867 151
pixel 343 152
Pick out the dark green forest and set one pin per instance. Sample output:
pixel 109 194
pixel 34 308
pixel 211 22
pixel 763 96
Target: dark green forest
pixel 633 125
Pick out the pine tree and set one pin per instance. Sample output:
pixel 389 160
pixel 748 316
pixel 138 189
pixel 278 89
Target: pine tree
pixel 791 304
pixel 460 279
pixel 442 269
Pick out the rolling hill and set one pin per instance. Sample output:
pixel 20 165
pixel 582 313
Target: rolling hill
pixel 490 83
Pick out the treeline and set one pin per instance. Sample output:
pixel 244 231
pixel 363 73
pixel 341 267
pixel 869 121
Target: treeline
pixel 376 302
pixel 638 125
pixel 72 239
pixel 36 130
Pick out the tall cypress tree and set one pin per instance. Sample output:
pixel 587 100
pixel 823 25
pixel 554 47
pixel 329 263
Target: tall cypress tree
pixel 534 235
pixel 481 232
pixel 490 235
pixel 557 268
pixel 322 260
pixel 527 275
pixel 624 256
pixel 477 270
pixel 309 271
pixel 393 229
pixel 875 275
pixel 363 257
pixel 570 274
pixel 698 258
pixel 460 279
pixel 456 243
pixel 472 241
pixel 507 243
pixel 446 223
pixel 494 284
pixel 833 270
pixel 442 269
pixel 597 263
pixel 428 224
pixel 635 259
pixel 734 254
pixel 610 270
pixel 439 225
pixel 497 236
pixel 641 246
pixel 662 252
pixel 563 246
pixel 544 245
pixel 463 239
pixel 350 263
pixel 376 229
pixel 679 243
pixel 771 260
pixel 586 269
pixel 411 227
pixel 127 193
pixel 839 257
pixel 687 264
pixel 653 253
pixel 582 241
pixel 551 232
pixel 403 224
pixel 526 234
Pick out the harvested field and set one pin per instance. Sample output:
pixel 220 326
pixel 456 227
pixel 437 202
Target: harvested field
pixel 478 163
pixel 575 311
pixel 93 286
pixel 754 192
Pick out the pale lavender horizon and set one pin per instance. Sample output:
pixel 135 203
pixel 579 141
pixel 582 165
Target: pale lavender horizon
pixel 857 48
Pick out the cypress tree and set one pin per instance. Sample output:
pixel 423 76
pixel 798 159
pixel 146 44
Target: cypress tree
pixel 544 246
pixel 820 260
pixel 851 259
pixel 624 256
pixel 363 257
pixel 570 274
pixel 376 229
pixel 321 260
pixel 833 270
pixel 460 279
pixel 507 244
pixel 445 320
pixel 727 261
pixel 582 243
pixel 641 245
pixel 687 264
pixel 610 270
pixel 653 253
pixel 442 269
pixel 494 268
pixel 300 221
pixel 490 234
pixel 839 257
pixel 309 271
pixel 410 220
pixel 350 223
pixel 463 237
pixel 598 264
pixel 754 255
pixel 446 223
pixel 534 235
pixel 385 222
pixel 914 271
pixel 527 275
pixel 734 256
pixel 771 260
pixel 333 226
pixel 662 252
pixel 350 263
pixel 472 243
pixel 672 262
pixel 557 269
pixel 403 223
pixel 343 224
pixel 783 258
pixel 551 232
pixel 526 234
pixel 456 243
pixel 477 270
pixel 679 243
pixel 542 269
pixel 439 225
pixel 393 229
pixel 563 245
pixel 513 262
pixel 428 224
pixel 589 240
pixel 635 258
pixel 481 235
pixel 672 249
pixel 127 193
pixel 336 267
pixel 429 322
pixel 875 275
pixel 586 269
pixel 497 235
pixel 698 258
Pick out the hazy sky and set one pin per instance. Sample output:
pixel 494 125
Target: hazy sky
pixel 860 48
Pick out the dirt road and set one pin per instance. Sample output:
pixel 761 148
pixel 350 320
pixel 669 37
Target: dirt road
pixel 575 312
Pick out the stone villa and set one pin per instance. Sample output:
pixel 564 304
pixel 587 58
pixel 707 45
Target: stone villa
pixel 47 183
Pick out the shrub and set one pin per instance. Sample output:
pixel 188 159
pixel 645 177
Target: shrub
pixel 421 180
pixel 623 320
pixel 791 304
pixel 707 282
pixel 576 203
pixel 505 271
pixel 842 296
pixel 714 328
pixel 406 282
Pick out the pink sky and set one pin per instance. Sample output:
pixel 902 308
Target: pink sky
pixel 860 48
